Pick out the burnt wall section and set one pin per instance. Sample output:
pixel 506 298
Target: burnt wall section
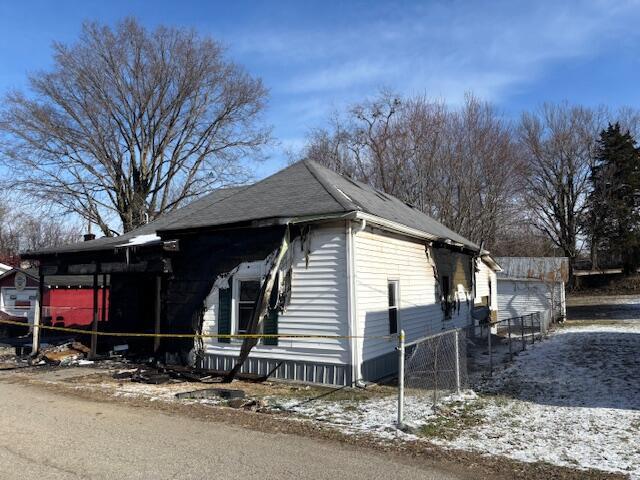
pixel 201 258
pixel 457 266
pixel 132 309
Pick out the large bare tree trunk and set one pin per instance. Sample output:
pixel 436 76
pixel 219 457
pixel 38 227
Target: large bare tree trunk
pixel 130 123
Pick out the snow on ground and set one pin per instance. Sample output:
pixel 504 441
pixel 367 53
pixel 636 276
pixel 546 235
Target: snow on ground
pixel 375 416
pixel 572 400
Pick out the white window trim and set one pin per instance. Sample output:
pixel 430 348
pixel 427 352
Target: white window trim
pixel 396 283
pixel 235 300
pixel 250 271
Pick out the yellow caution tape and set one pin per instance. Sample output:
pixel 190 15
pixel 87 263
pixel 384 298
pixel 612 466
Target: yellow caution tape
pixel 191 335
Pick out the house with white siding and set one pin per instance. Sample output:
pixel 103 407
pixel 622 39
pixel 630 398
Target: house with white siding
pixel 486 284
pixel 327 269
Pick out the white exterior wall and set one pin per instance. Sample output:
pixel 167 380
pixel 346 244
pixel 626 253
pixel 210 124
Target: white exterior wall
pixel 521 297
pixel 318 304
pixel 484 275
pixel 9 296
pixel 380 257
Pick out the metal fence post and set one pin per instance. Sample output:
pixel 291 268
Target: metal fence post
pixel 533 330
pixel 524 346
pixel 509 333
pixel 457 354
pixel 490 352
pixel 400 378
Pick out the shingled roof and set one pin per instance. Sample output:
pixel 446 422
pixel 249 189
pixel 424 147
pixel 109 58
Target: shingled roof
pixel 148 230
pixel 551 269
pixel 302 189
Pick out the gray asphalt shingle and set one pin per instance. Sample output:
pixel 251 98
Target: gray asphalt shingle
pixel 302 189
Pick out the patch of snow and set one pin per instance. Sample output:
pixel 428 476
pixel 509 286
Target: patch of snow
pixel 573 400
pixel 373 416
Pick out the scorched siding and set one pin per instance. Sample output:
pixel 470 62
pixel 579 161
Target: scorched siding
pixel 484 275
pixel 318 305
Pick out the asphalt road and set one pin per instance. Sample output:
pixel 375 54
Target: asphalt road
pixel 53 436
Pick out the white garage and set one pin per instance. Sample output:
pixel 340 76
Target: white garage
pixel 532 284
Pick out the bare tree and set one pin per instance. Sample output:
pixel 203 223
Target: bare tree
pixel 20 231
pixel 559 143
pixel 130 123
pixel 460 166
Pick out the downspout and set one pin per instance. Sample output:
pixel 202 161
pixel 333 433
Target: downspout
pixel 352 309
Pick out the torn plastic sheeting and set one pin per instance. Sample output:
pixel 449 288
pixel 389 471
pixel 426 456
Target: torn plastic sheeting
pixel 262 305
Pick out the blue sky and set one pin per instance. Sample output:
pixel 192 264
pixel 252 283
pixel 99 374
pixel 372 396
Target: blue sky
pixel 316 57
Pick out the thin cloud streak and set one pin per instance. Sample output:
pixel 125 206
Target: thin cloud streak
pixel 470 47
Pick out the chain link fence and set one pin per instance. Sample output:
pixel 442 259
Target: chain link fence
pixel 498 342
pixel 431 368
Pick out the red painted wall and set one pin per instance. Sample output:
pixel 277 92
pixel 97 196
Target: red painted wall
pixel 67 307
pixel 70 307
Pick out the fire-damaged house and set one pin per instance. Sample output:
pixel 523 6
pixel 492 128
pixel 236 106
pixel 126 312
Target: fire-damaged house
pixel 327 269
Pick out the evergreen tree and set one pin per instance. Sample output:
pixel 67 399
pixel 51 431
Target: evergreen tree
pixel 613 206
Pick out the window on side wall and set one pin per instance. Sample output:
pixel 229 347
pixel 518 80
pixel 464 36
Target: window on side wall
pixel 247 300
pixel 392 288
pixel 446 296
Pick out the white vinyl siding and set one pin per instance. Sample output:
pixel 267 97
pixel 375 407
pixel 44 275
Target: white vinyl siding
pixel 318 305
pixel 484 275
pixel 379 257
pixel 518 298
pixel 18 303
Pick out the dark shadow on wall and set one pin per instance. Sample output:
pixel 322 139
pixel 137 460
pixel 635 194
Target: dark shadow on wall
pixel 380 354
pixel 520 301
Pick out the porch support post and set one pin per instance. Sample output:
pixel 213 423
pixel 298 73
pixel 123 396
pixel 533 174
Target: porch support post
pixel 104 297
pixel 156 340
pixel 94 325
pixel 37 315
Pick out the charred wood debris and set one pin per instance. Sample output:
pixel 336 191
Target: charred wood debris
pixel 138 369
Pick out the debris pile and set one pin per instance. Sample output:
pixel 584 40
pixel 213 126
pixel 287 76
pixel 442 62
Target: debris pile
pixel 161 374
pixel 235 398
pixel 211 393
pixel 72 353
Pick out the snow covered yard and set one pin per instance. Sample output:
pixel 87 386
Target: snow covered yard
pixel 572 400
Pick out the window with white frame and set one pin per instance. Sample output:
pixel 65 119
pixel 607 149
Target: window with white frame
pixel 392 288
pixel 248 292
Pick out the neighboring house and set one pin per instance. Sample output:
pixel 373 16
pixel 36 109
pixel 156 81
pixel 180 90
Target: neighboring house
pixel 532 284
pixel 4 268
pixel 18 294
pixel 338 261
pixel 68 300
pixel 486 284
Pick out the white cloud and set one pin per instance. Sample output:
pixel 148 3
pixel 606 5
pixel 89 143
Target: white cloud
pixel 444 49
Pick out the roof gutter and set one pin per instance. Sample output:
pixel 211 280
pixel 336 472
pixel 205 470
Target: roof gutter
pixel 411 232
pixel 489 260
